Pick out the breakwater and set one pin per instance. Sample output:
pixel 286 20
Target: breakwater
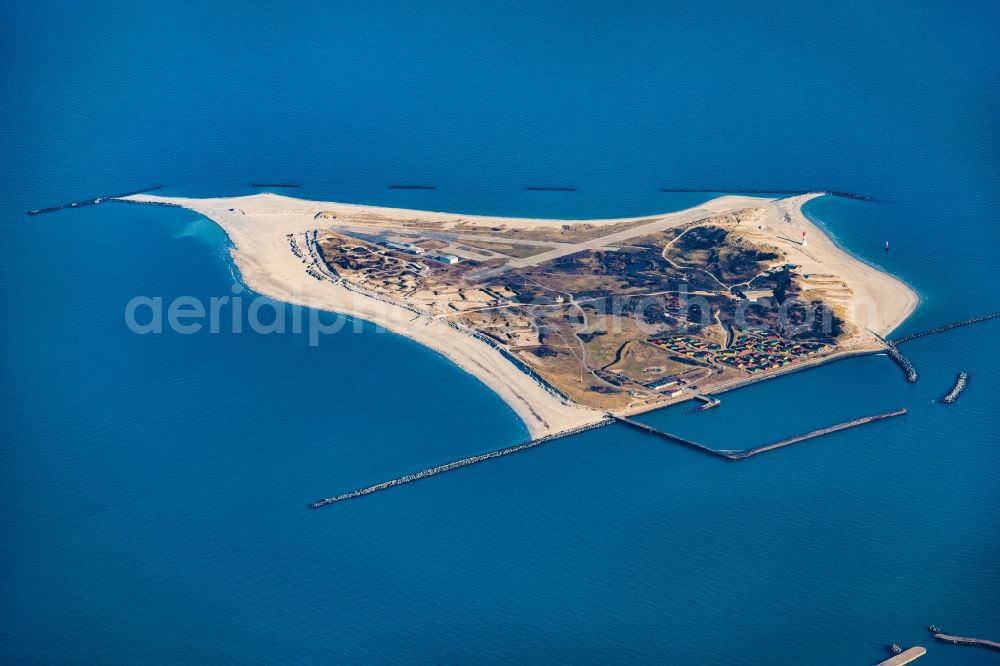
pixel 904 657
pixel 742 455
pixel 168 204
pixel 91 202
pixel 946 327
pixel 893 352
pixel 962 640
pixel 274 185
pixel 816 433
pixel 471 460
pixel 413 187
pixel 960 384
pixel 833 193
pixel 897 356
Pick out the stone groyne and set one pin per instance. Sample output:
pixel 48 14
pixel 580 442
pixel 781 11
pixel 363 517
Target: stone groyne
pixel 471 460
pixel 92 202
pixel 893 352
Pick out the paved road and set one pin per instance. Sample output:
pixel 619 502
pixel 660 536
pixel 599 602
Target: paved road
pixel 666 222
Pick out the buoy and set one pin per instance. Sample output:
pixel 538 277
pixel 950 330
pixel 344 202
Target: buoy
pixel 887 246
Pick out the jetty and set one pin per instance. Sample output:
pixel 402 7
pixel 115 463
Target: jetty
pixel 668 436
pixel 892 346
pixel 706 402
pixel 960 383
pixel 91 202
pixel 471 460
pixel 610 418
pixel 412 187
pixel 904 657
pixel 817 433
pixel 946 327
pixel 892 351
pixel 748 453
pixel 962 640
pixel 274 185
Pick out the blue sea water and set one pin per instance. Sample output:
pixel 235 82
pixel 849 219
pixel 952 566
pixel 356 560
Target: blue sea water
pixel 152 504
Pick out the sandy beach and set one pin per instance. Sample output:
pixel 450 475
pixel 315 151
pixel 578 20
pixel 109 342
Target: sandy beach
pixel 258 227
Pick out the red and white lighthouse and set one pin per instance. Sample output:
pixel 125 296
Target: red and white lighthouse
pixel 803 239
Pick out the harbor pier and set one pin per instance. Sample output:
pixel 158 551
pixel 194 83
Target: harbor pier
pixel 904 657
pixel 668 436
pixel 748 453
pixel 816 433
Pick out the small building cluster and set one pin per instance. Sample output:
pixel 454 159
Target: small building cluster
pixel 750 352
pixel 756 352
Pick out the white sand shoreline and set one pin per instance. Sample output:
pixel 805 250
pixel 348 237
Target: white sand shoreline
pixel 258 225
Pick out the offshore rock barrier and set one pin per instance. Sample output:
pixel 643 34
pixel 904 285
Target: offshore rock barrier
pixel 960 384
pixel 423 474
pixel 536 188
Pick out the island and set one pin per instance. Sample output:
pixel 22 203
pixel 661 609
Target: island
pixel 570 320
